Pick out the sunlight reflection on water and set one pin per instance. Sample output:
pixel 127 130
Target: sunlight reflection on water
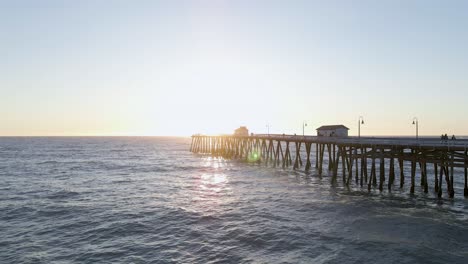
pixel 216 180
pixel 211 187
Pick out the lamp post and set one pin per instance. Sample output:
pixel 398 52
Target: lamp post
pixel 268 127
pixel 415 122
pixel 360 121
pixel 304 124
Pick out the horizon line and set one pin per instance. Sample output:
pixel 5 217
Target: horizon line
pixel 182 136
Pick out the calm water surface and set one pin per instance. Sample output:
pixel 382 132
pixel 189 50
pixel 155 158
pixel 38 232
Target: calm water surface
pixel 149 200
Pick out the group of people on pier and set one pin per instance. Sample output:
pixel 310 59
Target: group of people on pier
pixel 445 137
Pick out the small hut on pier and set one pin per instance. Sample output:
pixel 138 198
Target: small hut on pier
pixel 241 131
pixel 333 131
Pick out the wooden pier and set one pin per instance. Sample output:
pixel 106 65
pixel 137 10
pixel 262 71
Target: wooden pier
pixel 350 157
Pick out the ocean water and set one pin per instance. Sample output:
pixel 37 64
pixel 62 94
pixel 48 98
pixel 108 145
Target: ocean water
pixel 149 200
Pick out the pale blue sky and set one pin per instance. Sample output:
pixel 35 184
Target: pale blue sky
pixel 182 67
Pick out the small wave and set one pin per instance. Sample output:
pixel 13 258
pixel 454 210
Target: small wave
pixel 62 195
pixel 121 181
pixel 48 162
pixel 54 211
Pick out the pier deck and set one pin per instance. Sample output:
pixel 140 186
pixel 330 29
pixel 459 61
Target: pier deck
pixel 350 156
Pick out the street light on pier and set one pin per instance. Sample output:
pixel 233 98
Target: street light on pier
pixel 268 127
pixel 415 122
pixel 304 124
pixel 360 121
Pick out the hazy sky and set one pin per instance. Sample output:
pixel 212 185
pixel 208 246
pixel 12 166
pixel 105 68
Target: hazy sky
pixel 184 67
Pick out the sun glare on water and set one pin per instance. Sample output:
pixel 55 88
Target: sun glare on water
pixel 211 187
pixel 215 180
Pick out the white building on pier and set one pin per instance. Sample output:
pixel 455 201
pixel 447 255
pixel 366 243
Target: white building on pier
pixel 332 131
pixel 241 131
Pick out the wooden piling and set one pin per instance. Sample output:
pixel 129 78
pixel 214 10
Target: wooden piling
pixel 350 167
pixel 322 149
pixel 308 147
pixel 391 175
pixel 426 185
pixel 363 168
pixel 296 160
pixel 356 158
pixel 413 173
pixel 452 190
pixel 439 193
pixel 373 173
pixel 447 179
pixel 336 163
pixel 299 154
pixel 317 155
pixel 382 169
pixel 401 164
pixel 285 161
pixel 343 160
pixel 465 190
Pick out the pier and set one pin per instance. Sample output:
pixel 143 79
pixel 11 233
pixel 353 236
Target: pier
pixel 372 162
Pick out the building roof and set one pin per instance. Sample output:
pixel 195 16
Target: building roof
pixel 332 127
pixel 241 128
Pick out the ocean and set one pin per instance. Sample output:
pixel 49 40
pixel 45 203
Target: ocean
pixel 150 200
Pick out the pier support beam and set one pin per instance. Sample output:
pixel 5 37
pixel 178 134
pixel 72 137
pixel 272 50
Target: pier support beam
pixel 439 193
pixel 452 190
pixel 343 161
pixel 363 167
pixel 373 172
pixel 465 190
pixel 391 175
pixel 436 181
pixel 321 150
pixel 447 179
pixel 382 169
pixel 308 147
pixel 413 173
pixel 350 166
pixel 316 155
pixel 401 165
pixel 336 162
pixel 356 159
pixel 425 184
